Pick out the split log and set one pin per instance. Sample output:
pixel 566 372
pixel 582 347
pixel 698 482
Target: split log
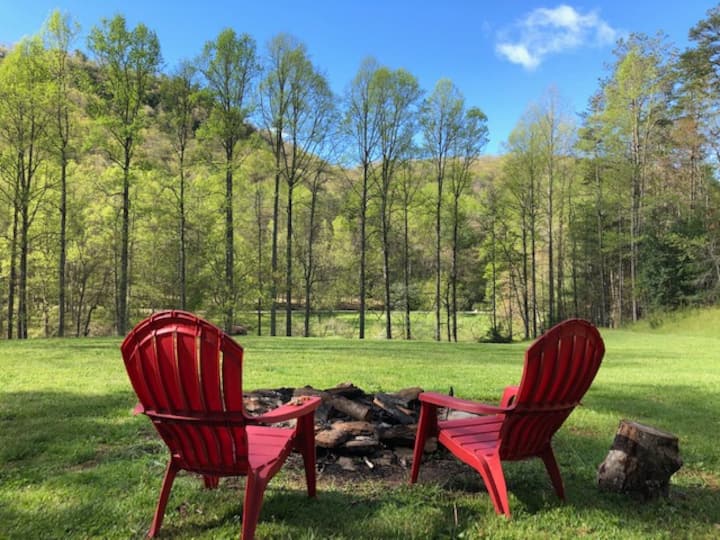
pixel 331 438
pixel 361 445
pixel 341 432
pixel 640 462
pixel 398 435
pixel 347 390
pixel 409 395
pixel 351 408
pixel 395 407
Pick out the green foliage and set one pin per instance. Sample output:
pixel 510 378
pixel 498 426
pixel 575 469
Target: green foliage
pixel 167 181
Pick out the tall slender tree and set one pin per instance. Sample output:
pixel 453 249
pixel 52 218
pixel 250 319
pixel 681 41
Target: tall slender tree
pixel 441 121
pixel 409 184
pixel 25 117
pixel 464 151
pixel 361 124
pixel 298 109
pixel 182 104
pixel 60 33
pixel 635 106
pixel 229 66
pixel 399 93
pixel 128 59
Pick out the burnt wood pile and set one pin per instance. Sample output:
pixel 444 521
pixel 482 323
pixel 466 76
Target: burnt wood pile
pixel 353 423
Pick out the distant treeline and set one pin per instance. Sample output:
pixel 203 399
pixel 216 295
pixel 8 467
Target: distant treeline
pixel 238 182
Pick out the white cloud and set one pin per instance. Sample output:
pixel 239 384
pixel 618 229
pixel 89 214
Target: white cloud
pixel 546 31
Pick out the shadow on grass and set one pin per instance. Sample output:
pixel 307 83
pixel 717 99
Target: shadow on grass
pixel 80 464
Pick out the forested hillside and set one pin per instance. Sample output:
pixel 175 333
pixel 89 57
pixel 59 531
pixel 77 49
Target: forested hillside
pixel 238 185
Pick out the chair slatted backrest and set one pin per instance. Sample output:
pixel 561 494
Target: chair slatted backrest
pixel 187 375
pixel 559 368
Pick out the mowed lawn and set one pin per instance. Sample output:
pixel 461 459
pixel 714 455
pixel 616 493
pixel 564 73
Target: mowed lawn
pixel 74 463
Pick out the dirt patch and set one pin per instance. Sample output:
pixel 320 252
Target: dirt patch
pixel 391 468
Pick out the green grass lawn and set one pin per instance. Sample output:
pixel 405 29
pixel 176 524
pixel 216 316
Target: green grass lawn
pixel 75 463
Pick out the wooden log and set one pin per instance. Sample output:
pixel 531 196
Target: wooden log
pixel 347 390
pixel 341 432
pixel 361 445
pixel 398 435
pixel 331 438
pixel 353 409
pixel 394 407
pixel 640 462
pixel 408 395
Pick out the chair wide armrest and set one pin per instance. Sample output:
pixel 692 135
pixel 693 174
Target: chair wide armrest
pixel 296 408
pixel 441 400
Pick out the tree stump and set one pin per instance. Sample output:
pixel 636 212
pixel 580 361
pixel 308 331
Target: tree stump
pixel 640 462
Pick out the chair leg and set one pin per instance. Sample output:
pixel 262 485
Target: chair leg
pixel 254 492
pixel 490 468
pixel 211 482
pixel 553 470
pixel 170 473
pixel 427 424
pixel 306 444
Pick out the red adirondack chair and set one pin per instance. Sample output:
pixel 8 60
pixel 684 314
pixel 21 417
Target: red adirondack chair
pixel 188 378
pixel 559 367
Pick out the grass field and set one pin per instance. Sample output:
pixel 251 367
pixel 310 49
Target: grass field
pixel 74 463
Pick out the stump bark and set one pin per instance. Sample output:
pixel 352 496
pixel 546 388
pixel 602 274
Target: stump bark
pixel 640 462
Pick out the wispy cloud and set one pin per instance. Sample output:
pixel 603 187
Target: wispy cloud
pixel 545 31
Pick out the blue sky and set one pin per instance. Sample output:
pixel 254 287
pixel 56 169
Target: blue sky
pixel 503 55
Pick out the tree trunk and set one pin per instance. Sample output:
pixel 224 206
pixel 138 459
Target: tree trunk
pixel 288 263
pixel 363 248
pixel 274 252
pixel 258 216
pixel 550 251
pixel 386 265
pixel 62 262
pixel 525 279
pixel 229 244
pixel 493 241
pixel 183 241
pixel 406 271
pixel 454 271
pixel 122 300
pixel 22 321
pixel 438 208
pixel 533 257
pixel 635 212
pixel 12 281
pixel 309 271
pixel 605 315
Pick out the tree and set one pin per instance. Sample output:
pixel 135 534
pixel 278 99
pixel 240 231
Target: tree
pixel 633 117
pixel 398 94
pixel 182 103
pixel 361 124
pixel 556 137
pixel 408 187
pixel 523 173
pixel 465 148
pixel 441 121
pixel 128 59
pixel 229 67
pixel 316 184
pixel 24 123
pixel 60 33
pixel 298 110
